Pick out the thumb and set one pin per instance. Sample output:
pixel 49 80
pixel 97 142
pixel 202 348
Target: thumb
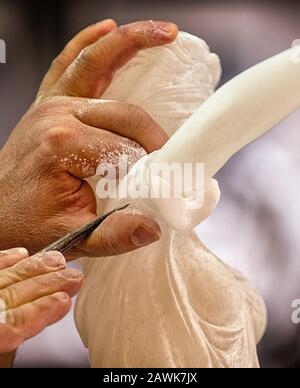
pixel 122 232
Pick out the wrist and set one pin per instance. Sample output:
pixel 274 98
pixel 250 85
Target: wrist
pixel 7 360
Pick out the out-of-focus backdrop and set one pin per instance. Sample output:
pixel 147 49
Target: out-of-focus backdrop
pixel 257 224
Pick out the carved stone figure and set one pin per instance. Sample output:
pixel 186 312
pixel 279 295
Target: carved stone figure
pixel 174 303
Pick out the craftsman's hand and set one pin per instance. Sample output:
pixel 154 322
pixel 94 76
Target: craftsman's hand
pixel 66 134
pixel 35 292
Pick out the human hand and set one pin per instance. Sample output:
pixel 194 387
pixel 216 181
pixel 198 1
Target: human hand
pixel 66 134
pixel 35 292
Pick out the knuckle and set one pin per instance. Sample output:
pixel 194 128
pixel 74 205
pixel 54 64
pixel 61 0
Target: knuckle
pixel 128 33
pixel 8 277
pixel 58 62
pixel 136 115
pixel 16 318
pixel 58 136
pixel 9 296
pixel 30 267
pixel 64 58
pixel 108 244
pixel 89 59
pixel 45 108
pixel 54 302
pixel 53 105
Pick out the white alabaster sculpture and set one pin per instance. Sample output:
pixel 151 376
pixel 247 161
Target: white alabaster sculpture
pixel 174 304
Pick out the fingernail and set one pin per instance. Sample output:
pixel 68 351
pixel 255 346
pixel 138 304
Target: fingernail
pixel 72 274
pixel 53 259
pixel 165 26
pixel 142 236
pixel 105 21
pixel 22 251
pixel 63 296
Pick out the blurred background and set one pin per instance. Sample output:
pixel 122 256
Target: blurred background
pixel 256 226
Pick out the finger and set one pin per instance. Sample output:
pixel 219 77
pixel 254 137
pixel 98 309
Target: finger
pixel 30 319
pixel 83 150
pixel 27 291
pixel 34 266
pixel 85 38
pixel 93 70
pixel 120 233
pixel 125 119
pixel 12 256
